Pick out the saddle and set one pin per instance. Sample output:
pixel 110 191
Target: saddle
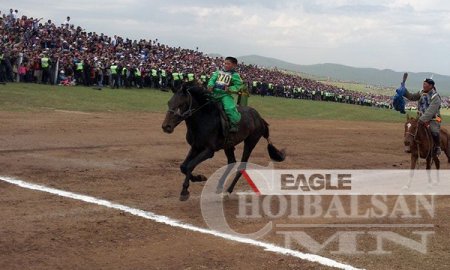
pixel 225 123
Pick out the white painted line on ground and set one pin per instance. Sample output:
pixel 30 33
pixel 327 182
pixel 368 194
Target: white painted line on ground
pixel 178 224
pixel 75 112
pixel 355 225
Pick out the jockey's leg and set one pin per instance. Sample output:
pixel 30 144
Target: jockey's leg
pixel 435 130
pixel 231 111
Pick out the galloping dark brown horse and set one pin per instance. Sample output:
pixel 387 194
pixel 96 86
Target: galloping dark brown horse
pixel 418 142
pixel 205 133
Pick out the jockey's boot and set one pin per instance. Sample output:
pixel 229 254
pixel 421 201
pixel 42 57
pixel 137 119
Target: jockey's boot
pixel 437 144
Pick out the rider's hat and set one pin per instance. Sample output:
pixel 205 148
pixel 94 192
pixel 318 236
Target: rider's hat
pixel 429 81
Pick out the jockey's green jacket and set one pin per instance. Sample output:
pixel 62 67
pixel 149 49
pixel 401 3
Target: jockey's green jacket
pixel 231 79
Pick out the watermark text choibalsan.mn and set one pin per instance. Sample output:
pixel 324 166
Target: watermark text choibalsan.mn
pixel 331 210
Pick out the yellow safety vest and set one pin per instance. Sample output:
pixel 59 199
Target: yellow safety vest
pixel 113 69
pixel 137 73
pixel 44 62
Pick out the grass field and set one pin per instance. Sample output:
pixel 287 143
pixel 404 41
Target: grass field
pixel 33 97
pixel 445 112
pixel 359 87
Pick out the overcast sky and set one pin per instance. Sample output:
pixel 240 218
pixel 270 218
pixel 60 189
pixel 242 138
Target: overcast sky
pixel 403 35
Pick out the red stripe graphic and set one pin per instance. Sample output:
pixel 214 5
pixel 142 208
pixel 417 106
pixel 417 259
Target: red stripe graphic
pixel 250 182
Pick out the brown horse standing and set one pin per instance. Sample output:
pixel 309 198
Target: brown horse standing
pixel 419 143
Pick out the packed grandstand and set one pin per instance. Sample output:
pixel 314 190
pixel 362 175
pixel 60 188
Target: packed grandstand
pixel 36 51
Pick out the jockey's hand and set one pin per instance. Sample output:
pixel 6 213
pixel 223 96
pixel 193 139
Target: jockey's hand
pixel 210 89
pixel 227 90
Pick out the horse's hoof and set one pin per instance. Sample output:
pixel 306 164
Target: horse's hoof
pixel 199 178
pixel 184 197
pixel 219 190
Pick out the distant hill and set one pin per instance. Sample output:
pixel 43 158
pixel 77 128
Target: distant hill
pixel 372 76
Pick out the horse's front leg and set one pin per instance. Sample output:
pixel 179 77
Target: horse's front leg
pixel 414 159
pixel 189 165
pixel 428 169
pixel 428 163
pixel 437 163
pixel 183 167
pixel 192 153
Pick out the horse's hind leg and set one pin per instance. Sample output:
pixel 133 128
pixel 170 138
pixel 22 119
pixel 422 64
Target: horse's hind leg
pixel 229 152
pixel 437 163
pixel 249 145
pixel 428 169
pixel 447 151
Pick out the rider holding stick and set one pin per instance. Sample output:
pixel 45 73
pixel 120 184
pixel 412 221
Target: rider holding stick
pixel 429 106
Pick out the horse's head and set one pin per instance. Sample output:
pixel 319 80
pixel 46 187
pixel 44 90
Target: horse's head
pixel 410 132
pixel 181 106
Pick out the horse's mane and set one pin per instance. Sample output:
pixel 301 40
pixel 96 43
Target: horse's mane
pixel 414 122
pixel 200 94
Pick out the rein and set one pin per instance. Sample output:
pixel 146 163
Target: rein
pixel 190 111
pixel 430 151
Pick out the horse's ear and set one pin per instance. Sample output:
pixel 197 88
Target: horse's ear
pixel 418 115
pixel 407 117
pixel 174 90
pixel 184 88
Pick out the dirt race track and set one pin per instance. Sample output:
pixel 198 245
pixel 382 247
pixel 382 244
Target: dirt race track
pixel 126 158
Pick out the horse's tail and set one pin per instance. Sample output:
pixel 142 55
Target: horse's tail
pixel 447 153
pixel 448 149
pixel 446 145
pixel 274 153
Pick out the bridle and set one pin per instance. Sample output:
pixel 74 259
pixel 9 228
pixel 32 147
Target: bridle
pixel 190 111
pixel 411 134
pixel 414 136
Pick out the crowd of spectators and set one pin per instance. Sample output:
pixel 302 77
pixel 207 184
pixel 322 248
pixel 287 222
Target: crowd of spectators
pixel 37 51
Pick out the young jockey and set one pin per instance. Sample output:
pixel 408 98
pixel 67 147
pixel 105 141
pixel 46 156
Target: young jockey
pixel 222 84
